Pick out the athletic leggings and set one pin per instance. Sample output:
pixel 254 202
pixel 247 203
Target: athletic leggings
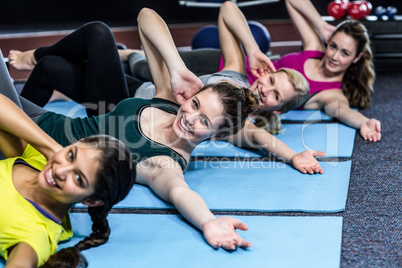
pixel 199 61
pixel 85 66
pixel 7 88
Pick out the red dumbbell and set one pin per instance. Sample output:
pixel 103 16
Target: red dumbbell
pixel 357 10
pixel 369 7
pixel 337 9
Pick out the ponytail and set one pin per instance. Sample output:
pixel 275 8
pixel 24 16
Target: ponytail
pixel 237 104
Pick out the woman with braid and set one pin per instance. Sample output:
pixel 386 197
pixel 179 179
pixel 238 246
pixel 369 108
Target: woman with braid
pixel 40 181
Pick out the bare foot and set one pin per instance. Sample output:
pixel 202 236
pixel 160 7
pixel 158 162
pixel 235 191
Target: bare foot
pixel 123 53
pixel 22 60
pixel 58 96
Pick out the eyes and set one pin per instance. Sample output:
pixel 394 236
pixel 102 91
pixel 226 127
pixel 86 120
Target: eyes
pixel 275 92
pixel 78 178
pixel 203 119
pixel 276 96
pixel 345 53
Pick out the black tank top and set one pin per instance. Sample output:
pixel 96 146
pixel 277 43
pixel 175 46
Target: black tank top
pixel 122 122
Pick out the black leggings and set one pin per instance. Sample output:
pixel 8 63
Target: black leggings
pixel 199 61
pixel 84 66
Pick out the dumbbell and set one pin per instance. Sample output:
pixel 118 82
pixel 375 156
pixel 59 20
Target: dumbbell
pixel 385 13
pixel 357 10
pixel 337 9
pixel 391 12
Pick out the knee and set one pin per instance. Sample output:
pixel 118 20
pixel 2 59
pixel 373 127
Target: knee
pixel 47 64
pixel 98 29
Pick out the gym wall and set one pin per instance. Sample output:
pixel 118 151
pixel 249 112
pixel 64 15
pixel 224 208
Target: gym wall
pixel 29 15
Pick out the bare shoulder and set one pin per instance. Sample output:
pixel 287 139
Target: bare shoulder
pixel 155 166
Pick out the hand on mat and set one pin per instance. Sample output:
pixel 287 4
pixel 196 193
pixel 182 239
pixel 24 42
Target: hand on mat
pixel 305 162
pixel 260 64
pixel 221 232
pixel 184 84
pixel 371 130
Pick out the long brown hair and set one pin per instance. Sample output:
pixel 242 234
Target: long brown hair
pixel 359 77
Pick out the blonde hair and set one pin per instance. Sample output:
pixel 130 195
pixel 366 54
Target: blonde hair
pixel 271 121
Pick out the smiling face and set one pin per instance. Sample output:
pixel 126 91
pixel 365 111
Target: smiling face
pixel 199 117
pixel 341 53
pixel 273 91
pixel 70 175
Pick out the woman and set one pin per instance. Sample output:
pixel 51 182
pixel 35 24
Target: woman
pixel 40 181
pixel 168 139
pixel 340 75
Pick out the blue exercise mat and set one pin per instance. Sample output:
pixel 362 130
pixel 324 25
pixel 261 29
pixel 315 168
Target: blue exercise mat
pixel 69 108
pixel 169 241
pixel 335 139
pixel 256 186
pixel 306 115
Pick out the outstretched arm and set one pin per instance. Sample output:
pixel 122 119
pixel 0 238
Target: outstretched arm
pixel 169 184
pixel 17 129
pixel 234 33
pixel 336 105
pixel 253 137
pixel 307 21
pixel 168 70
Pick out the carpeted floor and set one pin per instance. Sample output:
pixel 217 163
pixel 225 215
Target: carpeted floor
pixel 372 229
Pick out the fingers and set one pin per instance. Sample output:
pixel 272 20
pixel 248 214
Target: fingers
pixel 255 73
pixel 180 99
pixel 310 170
pixel 373 137
pixel 234 244
pixel 378 126
pixel 302 170
pixel 318 169
pixel 314 169
pixel 378 136
pixel 241 226
pixel 240 242
pixel 215 244
pixel 317 153
pixel 272 67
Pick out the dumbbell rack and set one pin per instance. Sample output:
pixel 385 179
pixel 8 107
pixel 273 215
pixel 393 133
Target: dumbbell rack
pixel 386 42
pixel 386 39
